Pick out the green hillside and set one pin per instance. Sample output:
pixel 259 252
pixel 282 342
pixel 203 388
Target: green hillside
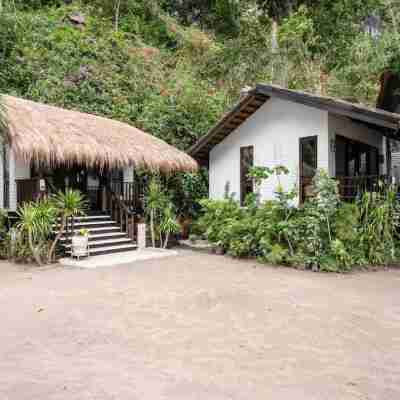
pixel 172 67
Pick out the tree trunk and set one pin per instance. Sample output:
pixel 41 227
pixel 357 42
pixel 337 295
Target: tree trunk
pixel 274 48
pixel 166 240
pixel 117 7
pixel 274 36
pixel 153 235
pixel 36 256
pixel 58 236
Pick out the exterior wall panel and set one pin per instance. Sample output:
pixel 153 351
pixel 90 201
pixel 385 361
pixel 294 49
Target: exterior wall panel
pixel 19 169
pixel 274 131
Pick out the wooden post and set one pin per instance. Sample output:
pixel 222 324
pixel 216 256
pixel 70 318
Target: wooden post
pixel 104 199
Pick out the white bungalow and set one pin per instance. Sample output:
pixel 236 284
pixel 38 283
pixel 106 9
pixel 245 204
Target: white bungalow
pixel 273 126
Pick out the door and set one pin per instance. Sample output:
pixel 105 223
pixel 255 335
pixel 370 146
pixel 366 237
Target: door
pixel 308 164
pixel 71 177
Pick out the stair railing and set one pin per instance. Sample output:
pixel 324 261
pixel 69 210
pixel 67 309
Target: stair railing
pixel 120 212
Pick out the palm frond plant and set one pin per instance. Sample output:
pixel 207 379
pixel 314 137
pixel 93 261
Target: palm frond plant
pixel 68 204
pixel 37 220
pixel 155 203
pixel 169 225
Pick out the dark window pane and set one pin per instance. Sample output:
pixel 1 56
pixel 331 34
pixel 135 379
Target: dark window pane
pixel 308 157
pixel 308 165
pixel 373 162
pixel 6 177
pixel 355 159
pixel 340 157
pixel 246 162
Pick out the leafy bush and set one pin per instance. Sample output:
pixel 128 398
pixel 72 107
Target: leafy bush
pixel 324 234
pixel 216 215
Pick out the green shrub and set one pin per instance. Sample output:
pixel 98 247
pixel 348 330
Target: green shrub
pixel 324 234
pixel 238 236
pixel 216 215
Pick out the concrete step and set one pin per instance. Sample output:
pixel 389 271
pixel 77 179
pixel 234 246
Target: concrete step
pixel 105 243
pixel 93 224
pixel 99 231
pixel 105 236
pixel 111 249
pixel 95 238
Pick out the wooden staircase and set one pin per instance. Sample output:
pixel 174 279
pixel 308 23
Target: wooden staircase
pixel 105 235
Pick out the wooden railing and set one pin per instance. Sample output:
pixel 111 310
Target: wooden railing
pixel 120 212
pixel 350 187
pixel 131 193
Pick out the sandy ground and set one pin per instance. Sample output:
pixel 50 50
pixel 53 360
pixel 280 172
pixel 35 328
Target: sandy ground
pixel 198 327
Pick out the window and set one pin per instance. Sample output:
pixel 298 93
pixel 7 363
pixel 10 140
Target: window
pixel 308 164
pixel 355 159
pixel 6 177
pixel 246 162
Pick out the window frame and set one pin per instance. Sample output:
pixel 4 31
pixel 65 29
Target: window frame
pixel 244 186
pixel 302 141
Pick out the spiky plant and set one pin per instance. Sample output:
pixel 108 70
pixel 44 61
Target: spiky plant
pixel 155 201
pixel 169 224
pixel 68 204
pixel 37 220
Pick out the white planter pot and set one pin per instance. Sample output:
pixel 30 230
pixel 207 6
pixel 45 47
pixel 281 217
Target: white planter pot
pixel 80 246
pixel 141 236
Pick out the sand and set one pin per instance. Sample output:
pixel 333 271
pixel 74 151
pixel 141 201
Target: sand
pixel 198 326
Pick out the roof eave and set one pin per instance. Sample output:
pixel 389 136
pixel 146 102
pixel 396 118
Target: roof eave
pixel 389 122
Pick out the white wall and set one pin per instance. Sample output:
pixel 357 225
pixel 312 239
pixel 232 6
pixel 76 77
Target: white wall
pixel 19 169
pixel 343 126
pixel 128 174
pixel 274 131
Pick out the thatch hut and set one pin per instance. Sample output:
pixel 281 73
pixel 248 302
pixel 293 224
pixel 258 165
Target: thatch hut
pixel 74 148
pixel 55 136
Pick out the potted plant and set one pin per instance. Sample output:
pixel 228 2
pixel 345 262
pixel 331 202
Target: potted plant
pixel 80 243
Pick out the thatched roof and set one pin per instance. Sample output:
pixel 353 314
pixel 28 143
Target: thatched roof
pixel 40 133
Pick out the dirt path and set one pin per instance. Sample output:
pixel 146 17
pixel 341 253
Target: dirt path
pixel 198 327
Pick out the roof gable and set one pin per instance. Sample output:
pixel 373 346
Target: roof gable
pixel 388 122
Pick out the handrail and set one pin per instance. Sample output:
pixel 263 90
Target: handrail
pixel 120 212
pixel 130 192
pixel 352 186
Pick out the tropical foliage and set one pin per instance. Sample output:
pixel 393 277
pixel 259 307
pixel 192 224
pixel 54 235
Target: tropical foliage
pixel 39 228
pixel 70 203
pixel 160 213
pixel 36 221
pixel 324 234
pixel 173 67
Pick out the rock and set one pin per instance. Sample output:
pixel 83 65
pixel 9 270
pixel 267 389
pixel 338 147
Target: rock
pixel 75 79
pixel 77 18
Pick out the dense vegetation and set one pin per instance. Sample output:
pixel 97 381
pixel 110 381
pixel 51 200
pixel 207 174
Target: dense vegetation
pixel 33 237
pixel 325 234
pixel 172 67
